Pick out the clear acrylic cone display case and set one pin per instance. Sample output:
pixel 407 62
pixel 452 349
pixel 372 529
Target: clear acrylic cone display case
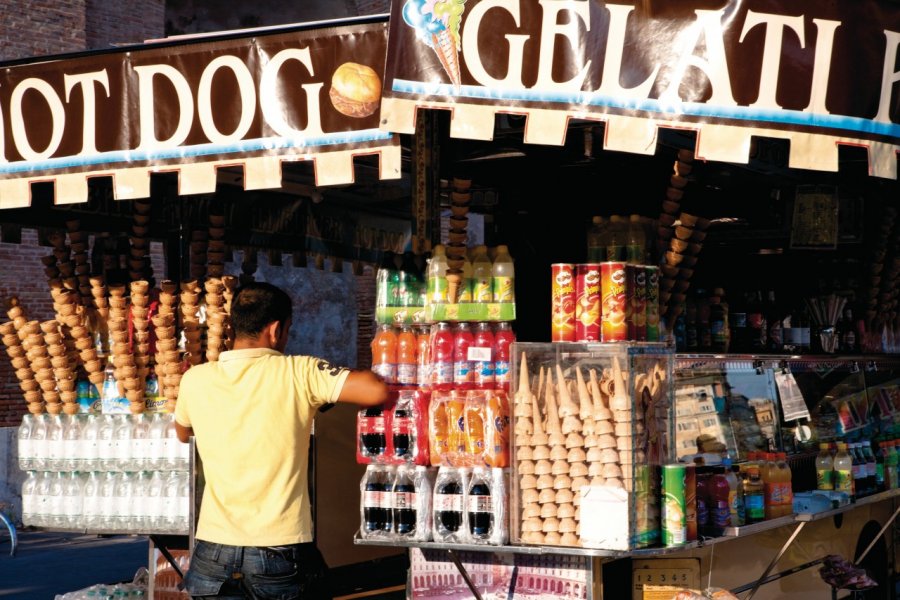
pixel 592 424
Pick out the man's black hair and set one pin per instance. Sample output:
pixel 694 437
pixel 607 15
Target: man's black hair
pixel 257 304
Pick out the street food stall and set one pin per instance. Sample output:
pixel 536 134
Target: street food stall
pixel 742 156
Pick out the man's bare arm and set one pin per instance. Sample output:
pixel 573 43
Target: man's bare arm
pixel 364 388
pixel 184 433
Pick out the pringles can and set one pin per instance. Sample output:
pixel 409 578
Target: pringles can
pixel 674 521
pixel 562 307
pixel 652 302
pixel 637 299
pixel 587 302
pixel 614 304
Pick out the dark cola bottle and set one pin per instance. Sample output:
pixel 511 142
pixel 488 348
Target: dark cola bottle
pixel 403 427
pixel 479 505
pixel 372 438
pixel 448 504
pixel 372 489
pixel 404 502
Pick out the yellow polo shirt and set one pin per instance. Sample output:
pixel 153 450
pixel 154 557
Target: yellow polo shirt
pixel 251 413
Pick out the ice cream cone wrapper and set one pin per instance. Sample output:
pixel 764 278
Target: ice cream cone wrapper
pixel 445 48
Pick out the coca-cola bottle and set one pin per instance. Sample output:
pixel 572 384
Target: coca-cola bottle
pixel 403 427
pixel 404 502
pixel 372 439
pixel 372 491
pixel 448 505
pixel 479 505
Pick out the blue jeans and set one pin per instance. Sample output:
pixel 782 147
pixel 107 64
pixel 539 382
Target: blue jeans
pixel 266 573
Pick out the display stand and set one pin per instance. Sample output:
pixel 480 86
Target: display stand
pixel 799 520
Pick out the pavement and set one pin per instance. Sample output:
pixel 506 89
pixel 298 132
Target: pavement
pixel 51 563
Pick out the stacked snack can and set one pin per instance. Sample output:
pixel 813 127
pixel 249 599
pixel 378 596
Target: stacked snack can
pixel 652 303
pixel 636 292
pixel 614 301
pixel 587 305
pixel 674 513
pixel 562 326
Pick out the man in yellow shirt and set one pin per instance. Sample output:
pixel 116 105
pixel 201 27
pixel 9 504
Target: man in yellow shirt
pixel 250 414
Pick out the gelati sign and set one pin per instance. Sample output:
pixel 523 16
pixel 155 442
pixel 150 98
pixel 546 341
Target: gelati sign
pixel 818 73
pixel 296 94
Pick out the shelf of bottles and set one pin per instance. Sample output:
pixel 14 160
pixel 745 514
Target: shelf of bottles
pixel 105 473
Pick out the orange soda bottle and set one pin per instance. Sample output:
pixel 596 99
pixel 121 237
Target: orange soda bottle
pixel 438 429
pixel 456 427
pixel 475 422
pixel 406 356
pixel 384 353
pixel 496 441
pixel 423 355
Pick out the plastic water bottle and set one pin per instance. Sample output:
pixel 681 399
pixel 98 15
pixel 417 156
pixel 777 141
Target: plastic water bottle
pixel 91 508
pixel 106 440
pixel 155 494
pixel 72 459
pixel 29 498
pixel 108 506
pixel 42 497
pixel 156 432
pixel 172 446
pixel 122 509
pixel 25 447
pixel 57 511
pixel 139 489
pixel 39 443
pixel 140 430
pixel 73 501
pixel 90 448
pixel 170 501
pixel 183 513
pixel 122 443
pixel 55 443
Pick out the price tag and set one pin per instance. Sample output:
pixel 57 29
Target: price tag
pixel 793 406
pixel 661 578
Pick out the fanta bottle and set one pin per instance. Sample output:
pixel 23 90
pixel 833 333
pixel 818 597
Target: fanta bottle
pixel 438 430
pixel 475 426
pixel 384 353
pixel 503 338
pixel 406 356
pixel 770 477
pixel 423 356
pixel 463 375
pixel 456 427
pixel 441 356
pixel 496 438
pixel 482 355
pixel 784 478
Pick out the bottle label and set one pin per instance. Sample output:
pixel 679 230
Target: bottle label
pixel 404 500
pixel 843 481
pixel 465 291
pixel 825 479
pixel 461 372
pixel 55 449
pixel 735 508
pixel 480 504
pixel 501 371
pixel 721 514
pixel 438 289
pixel 406 373
pixel 503 289
pixel 774 494
pixel 858 471
pixel 871 469
pixel 482 292
pixel 372 424
pixel 442 372
pixel 448 502
pixel 373 498
pixel 387 371
pixel 756 507
pixel 879 473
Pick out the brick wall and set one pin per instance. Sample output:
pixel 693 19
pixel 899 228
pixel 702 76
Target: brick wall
pixel 124 22
pixel 52 26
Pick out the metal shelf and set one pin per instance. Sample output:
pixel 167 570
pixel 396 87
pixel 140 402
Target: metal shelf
pixel 730 534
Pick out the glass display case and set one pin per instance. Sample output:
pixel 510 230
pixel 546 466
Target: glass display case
pixel 591 429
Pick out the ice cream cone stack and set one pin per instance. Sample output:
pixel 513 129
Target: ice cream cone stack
pixel 80 260
pixel 168 357
pixel 63 369
pixel 215 254
pixel 215 318
pixel 21 360
pixel 190 322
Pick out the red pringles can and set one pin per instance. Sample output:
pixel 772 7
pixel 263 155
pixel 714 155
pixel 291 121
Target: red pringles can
pixel 562 307
pixel 652 303
pixel 637 298
pixel 614 302
pixel 587 302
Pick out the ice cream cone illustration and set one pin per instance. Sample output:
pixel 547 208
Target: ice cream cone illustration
pixel 437 25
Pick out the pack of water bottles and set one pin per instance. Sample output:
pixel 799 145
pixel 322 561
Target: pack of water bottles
pixel 395 502
pixel 455 505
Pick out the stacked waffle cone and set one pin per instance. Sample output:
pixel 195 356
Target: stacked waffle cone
pixel 190 322
pixel 138 260
pixel 678 262
pixel 13 339
pixel 216 249
pixel 198 254
pixel 80 259
pixel 460 197
pixel 215 318
pixel 168 357
pixel 574 428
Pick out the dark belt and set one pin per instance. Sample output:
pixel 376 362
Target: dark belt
pixel 290 552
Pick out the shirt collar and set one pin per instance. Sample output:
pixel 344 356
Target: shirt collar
pixel 248 353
